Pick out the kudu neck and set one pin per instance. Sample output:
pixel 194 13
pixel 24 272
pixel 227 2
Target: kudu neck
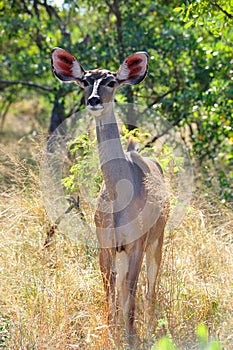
pixel 113 161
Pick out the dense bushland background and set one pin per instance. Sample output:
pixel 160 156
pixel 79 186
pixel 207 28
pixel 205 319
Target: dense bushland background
pixel 53 298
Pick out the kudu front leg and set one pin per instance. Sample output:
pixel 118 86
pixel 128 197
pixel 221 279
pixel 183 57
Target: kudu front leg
pixel 107 259
pixel 129 263
pixel 153 261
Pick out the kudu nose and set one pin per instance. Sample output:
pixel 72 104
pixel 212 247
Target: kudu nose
pixel 94 101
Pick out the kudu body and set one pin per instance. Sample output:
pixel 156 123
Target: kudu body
pixel 131 214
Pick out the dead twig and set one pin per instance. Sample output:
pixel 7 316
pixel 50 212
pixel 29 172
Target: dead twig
pixel 74 204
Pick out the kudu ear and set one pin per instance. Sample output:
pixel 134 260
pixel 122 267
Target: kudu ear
pixel 66 67
pixel 133 70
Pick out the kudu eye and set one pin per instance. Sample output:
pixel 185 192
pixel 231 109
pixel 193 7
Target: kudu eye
pixel 111 84
pixel 85 83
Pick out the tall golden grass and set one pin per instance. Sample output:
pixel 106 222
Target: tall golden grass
pixel 53 298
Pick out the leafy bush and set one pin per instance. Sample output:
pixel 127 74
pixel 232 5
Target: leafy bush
pixel 166 343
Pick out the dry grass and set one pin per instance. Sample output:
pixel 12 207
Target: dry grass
pixel 53 298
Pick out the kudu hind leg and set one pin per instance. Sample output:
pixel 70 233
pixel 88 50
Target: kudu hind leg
pixel 153 261
pixel 128 268
pixel 107 267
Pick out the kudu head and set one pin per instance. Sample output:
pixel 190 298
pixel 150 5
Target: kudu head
pixel 99 84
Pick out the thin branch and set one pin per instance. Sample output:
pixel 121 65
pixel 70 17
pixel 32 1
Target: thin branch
pixel 27 83
pixel 110 6
pixel 27 9
pixel 229 15
pixel 74 204
pixel 4 113
pixel 159 98
pixel 53 12
pixel 76 108
pixel 37 12
pixel 156 137
pixel 115 9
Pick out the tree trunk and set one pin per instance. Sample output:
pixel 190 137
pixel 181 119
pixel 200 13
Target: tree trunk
pixel 58 111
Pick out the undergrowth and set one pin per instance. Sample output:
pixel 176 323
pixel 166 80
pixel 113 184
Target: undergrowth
pixel 53 298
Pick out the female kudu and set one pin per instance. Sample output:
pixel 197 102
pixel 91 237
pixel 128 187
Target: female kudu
pixel 131 213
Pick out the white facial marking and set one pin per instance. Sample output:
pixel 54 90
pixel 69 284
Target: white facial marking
pixel 95 88
pixel 95 110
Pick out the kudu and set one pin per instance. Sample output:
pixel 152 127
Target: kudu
pixel 131 212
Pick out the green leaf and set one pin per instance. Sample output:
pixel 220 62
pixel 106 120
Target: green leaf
pixel 202 335
pixel 178 9
pixel 189 24
pixel 164 343
pixel 215 345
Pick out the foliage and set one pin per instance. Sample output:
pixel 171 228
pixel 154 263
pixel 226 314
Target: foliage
pixel 166 343
pixel 85 169
pixel 4 329
pixel 54 297
pixel 84 176
pixel 44 302
pixel 190 73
